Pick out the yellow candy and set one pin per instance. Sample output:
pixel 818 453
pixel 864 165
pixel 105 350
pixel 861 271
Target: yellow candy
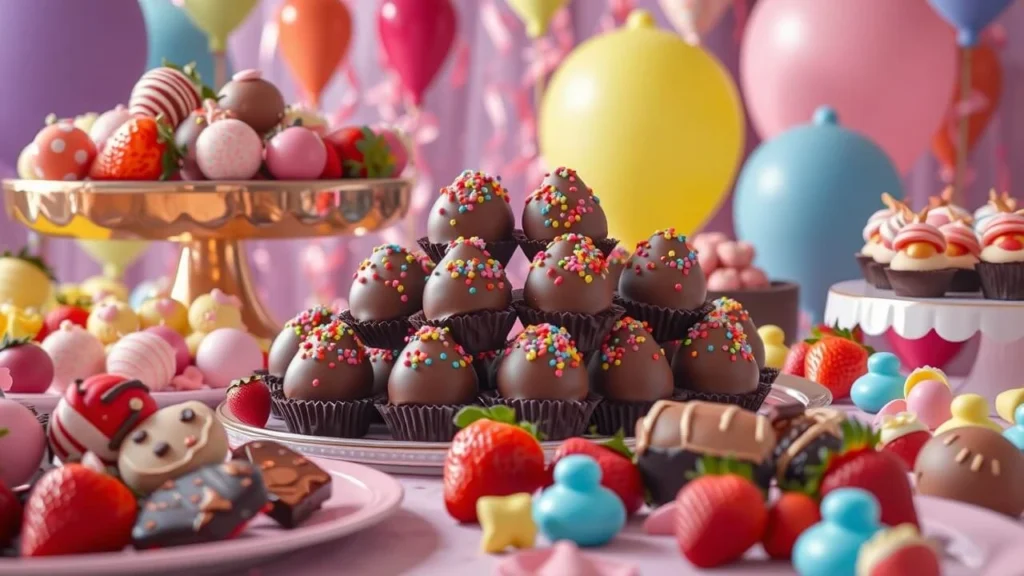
pixel 20 324
pixel 215 310
pixel 506 521
pixel 775 350
pixel 164 312
pixel 109 321
pixel 920 375
pixel 920 250
pixel 968 410
pixel 1007 402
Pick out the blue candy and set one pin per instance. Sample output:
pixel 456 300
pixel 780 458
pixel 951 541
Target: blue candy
pixel 881 385
pixel 1015 433
pixel 850 517
pixel 577 507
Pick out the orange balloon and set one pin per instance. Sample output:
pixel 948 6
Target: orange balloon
pixel 987 86
pixel 314 36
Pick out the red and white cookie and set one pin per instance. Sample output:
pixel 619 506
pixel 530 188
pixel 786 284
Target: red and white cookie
pixel 164 91
pixel 61 152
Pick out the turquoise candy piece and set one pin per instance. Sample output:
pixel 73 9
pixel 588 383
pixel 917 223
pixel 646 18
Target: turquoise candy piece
pixel 577 507
pixel 850 517
pixel 1015 433
pixel 881 385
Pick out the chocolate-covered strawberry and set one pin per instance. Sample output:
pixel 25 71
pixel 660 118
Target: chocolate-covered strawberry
pixel 803 437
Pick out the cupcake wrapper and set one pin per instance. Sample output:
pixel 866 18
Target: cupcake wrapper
pixel 1001 281
pixel 873 272
pixel 386 334
pixel 769 375
pixel 343 419
pixel 610 416
pixel 965 281
pixel 864 261
pixel 920 284
pixel 501 250
pixel 750 401
pixel 276 386
pixel 420 422
pixel 556 419
pixel 532 247
pixel 486 370
pixel 667 324
pixel 587 330
pixel 477 331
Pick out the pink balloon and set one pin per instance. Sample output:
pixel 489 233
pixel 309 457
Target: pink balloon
pixel 929 350
pixel 416 36
pixel 886 67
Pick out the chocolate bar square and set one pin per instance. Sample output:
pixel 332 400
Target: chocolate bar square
pixel 296 487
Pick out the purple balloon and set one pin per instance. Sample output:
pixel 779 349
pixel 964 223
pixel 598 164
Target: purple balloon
pixel 72 58
pixel 969 17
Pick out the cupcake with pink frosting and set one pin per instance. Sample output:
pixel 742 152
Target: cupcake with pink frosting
pixel 884 252
pixel 919 269
pixel 962 252
pixel 942 211
pixel 872 235
pixel 1001 265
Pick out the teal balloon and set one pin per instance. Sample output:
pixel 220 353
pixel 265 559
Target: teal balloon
pixel 173 37
pixel 802 200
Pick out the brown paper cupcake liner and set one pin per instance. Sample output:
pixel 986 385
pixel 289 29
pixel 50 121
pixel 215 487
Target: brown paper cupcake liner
pixel 485 365
pixel 863 261
pixel 386 334
pixel 476 331
pixel 420 422
pixel 1001 281
pixel 965 281
pixel 610 416
pixel 769 375
pixel 555 419
pixel 873 272
pixel 500 250
pixel 587 330
pixel 532 247
pixel 276 385
pixel 920 283
pixel 342 419
pixel 750 401
pixel 667 324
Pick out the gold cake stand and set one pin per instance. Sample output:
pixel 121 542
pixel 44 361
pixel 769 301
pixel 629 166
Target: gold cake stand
pixel 209 220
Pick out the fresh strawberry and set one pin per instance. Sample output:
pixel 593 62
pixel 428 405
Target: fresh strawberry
pixel 618 473
pixel 141 149
pixel 788 517
pixel 75 313
pixel 10 515
pixel 363 153
pixel 249 401
pixel 858 464
pixel 822 330
pixel 836 361
pixel 720 515
pixel 492 455
pixel 332 168
pixel 795 359
pixel 76 509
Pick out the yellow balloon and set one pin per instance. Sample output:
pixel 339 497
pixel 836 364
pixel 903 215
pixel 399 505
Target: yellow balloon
pixel 652 124
pixel 114 255
pixel 536 14
pixel 218 18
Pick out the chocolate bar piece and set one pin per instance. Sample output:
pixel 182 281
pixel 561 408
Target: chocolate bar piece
pixel 297 487
pixel 212 503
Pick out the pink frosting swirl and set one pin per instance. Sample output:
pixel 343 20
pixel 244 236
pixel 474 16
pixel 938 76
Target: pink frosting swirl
pixel 1001 225
pixel 962 235
pixel 939 217
pixel 891 227
pixel 875 222
pixel 919 232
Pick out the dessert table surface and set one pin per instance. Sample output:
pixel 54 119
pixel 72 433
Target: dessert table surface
pixel 421 539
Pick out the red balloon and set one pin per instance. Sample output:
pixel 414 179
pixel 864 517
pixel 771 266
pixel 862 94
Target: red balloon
pixel 987 87
pixel 416 36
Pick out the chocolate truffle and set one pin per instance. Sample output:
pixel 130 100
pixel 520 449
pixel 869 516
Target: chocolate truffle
pixel 286 343
pixel 664 271
pixel 475 204
pixel 466 280
pixel 331 365
pixel 432 369
pixel 563 204
pixel 804 436
pixel 542 363
pixel 389 284
pixel 382 361
pixel 296 487
pixel 975 465
pixel 735 313
pixel 571 275
pixel 630 365
pixel 253 100
pixel 616 259
pixel 185 138
pixel 674 436
pixel 715 358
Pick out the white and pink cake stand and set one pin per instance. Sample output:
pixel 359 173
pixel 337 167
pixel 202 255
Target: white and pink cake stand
pixel 999 364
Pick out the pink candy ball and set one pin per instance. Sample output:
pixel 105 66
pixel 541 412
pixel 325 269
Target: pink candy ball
pixel 930 400
pixel 735 254
pixel 227 354
pixel 708 260
pixel 182 359
pixel 754 278
pixel 22 443
pixel 724 280
pixel 229 150
pixel 31 368
pixel 296 153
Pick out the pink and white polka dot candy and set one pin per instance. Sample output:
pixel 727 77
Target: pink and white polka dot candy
pixel 229 150
pixel 61 152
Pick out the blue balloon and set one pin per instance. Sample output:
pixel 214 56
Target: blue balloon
pixel 802 199
pixel 173 37
pixel 969 17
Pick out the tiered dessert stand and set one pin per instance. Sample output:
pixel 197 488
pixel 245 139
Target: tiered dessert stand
pixel 999 364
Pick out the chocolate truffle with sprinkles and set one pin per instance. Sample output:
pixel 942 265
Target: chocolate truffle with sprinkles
pixel 563 204
pixel 467 280
pixel 617 259
pixel 737 314
pixel 664 271
pixel 475 204
pixel 714 362
pixel 382 361
pixel 286 343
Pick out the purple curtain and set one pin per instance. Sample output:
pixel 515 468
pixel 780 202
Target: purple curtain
pixel 465 128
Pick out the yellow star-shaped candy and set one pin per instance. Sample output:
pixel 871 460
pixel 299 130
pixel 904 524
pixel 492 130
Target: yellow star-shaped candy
pixel 506 521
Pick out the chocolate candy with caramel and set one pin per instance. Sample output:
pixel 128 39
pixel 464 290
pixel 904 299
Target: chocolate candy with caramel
pixel 571 275
pixel 663 271
pixel 475 204
pixel 466 280
pixel 331 365
pixel 286 343
pixel 715 358
pixel 563 204
pixel 542 364
pixel 213 503
pixel 389 284
pixel 296 487
pixel 803 436
pixel 630 366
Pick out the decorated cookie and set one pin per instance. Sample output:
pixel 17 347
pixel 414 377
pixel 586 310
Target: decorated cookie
pixel 296 487
pixel 110 320
pixel 166 92
pixel 76 354
pixel 61 152
pixel 143 356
